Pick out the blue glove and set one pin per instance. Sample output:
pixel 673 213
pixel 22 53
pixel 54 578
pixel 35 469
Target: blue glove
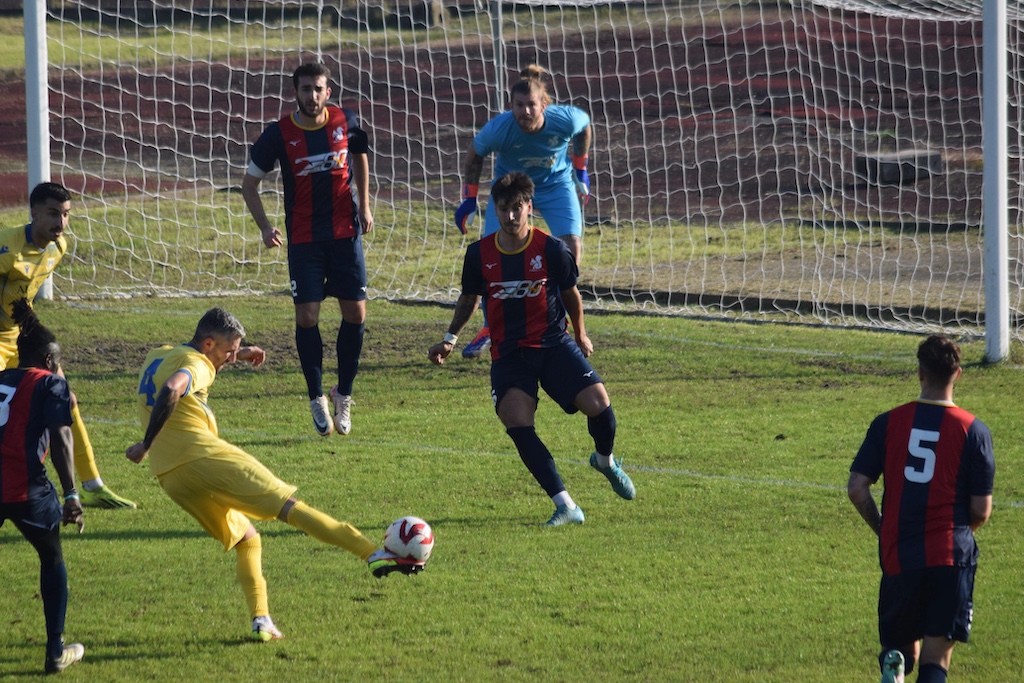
pixel 466 212
pixel 582 181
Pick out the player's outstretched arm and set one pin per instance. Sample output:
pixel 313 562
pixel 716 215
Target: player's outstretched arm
pixel 253 355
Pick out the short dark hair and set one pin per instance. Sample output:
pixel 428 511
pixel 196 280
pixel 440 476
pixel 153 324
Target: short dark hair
pixel 939 358
pixel 43 192
pixel 312 70
pixel 511 188
pixel 35 340
pixel 217 322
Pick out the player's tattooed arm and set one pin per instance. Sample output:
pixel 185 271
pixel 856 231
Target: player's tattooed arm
pixel 464 309
pixel 165 403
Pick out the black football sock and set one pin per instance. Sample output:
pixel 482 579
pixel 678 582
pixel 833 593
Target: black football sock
pixel 537 458
pixel 311 358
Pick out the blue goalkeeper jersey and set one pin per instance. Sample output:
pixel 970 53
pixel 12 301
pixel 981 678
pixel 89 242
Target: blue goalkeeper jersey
pixel 543 155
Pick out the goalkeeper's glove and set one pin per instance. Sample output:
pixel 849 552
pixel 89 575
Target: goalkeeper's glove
pixel 580 177
pixel 466 212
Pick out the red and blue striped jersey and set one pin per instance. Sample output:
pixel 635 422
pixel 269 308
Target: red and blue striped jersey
pixel 31 401
pixel 934 456
pixel 521 290
pixel 316 171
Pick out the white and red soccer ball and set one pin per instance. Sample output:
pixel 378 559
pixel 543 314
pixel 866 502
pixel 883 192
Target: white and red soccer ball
pixel 410 538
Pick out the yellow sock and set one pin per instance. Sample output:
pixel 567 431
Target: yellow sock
pixel 329 530
pixel 249 558
pixel 85 459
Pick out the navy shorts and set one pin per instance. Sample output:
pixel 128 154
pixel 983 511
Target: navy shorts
pixel 44 512
pixel 562 371
pixel 322 269
pixel 937 601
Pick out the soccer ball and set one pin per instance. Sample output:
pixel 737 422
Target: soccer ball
pixel 409 538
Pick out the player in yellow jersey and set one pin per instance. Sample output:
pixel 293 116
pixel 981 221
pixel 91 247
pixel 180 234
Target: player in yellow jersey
pixel 28 254
pixel 218 483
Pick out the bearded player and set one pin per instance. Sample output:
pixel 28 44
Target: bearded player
pixel 28 255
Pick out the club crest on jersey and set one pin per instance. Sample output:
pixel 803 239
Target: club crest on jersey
pixel 319 163
pixel 518 289
pixel 339 134
pixel 536 263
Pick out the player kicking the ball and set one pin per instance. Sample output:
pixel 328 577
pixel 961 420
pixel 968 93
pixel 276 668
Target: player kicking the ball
pixel 219 484
pixel 528 281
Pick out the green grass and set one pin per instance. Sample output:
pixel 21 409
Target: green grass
pixel 740 560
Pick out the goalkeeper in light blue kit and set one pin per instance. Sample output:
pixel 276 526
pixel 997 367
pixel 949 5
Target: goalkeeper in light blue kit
pixel 533 137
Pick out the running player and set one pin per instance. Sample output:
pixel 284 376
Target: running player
pixel 534 137
pixel 528 281
pixel 326 176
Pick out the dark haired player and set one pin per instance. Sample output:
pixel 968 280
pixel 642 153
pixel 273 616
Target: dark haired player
pixel 528 281
pixel 323 157
pixel 28 256
pixel 35 415
pixel 938 466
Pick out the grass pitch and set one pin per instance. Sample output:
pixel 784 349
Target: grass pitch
pixel 740 560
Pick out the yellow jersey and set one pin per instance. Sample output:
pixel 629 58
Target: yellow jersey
pixel 190 433
pixel 23 269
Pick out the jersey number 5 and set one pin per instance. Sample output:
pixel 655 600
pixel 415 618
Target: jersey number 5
pixel 921 463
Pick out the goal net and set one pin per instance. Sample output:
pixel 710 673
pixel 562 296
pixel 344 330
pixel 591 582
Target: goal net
pixel 811 161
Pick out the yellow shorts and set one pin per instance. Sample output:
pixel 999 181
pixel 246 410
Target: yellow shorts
pixel 224 490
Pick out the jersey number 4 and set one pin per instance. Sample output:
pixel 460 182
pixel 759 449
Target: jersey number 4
pixel 147 386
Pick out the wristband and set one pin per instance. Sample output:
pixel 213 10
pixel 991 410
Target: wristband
pixel 450 338
pixel 470 190
pixel 71 496
pixel 579 162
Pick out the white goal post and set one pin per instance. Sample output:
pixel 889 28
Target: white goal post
pixel 819 161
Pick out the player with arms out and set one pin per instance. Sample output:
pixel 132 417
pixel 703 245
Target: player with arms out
pixel 528 281
pixel 533 137
pixel 28 255
pixel 35 416
pixel 216 482
pixel 325 171
pixel 938 466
